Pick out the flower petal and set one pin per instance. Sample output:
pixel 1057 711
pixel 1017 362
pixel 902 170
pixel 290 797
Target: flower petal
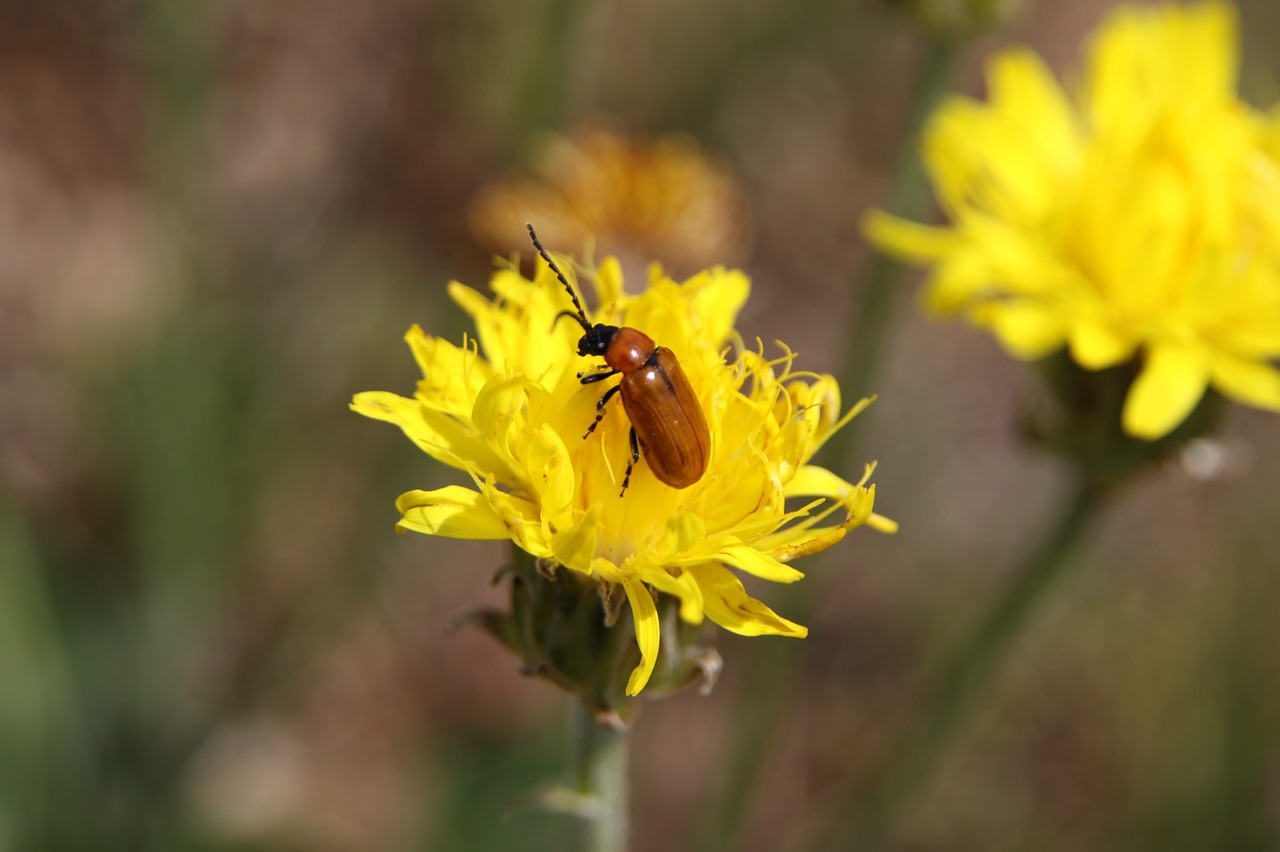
pixel 717 297
pixel 1251 382
pixel 908 240
pixel 437 434
pixel 551 475
pixel 1028 329
pixel 1095 346
pixel 682 585
pixel 648 632
pixel 575 546
pixel 813 481
pixel 760 564
pixel 727 603
pixel 501 416
pixel 1169 386
pixel 452 376
pixel 452 512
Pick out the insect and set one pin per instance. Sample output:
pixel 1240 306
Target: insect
pixel 667 422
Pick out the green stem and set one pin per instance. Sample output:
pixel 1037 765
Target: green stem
pixel 776 664
pixel 542 103
pixel 600 776
pixel 967 676
pixel 877 293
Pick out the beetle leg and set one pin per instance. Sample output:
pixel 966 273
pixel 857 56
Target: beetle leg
pixel 590 378
pixel 631 462
pixel 608 395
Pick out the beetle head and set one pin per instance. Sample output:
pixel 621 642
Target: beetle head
pixel 597 339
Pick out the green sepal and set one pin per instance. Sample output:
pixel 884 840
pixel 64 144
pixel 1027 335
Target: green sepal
pixel 1082 424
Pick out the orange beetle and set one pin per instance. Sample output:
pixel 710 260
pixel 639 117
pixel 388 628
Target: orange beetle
pixel 666 420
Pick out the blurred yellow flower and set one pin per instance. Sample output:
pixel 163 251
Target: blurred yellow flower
pixel 1140 218
pixel 507 407
pixel 641 197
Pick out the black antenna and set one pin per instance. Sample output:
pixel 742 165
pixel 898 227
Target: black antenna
pixel 582 315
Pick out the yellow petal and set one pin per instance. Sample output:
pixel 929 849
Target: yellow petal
pixel 880 523
pixel 1171 383
pixel 806 538
pixel 1009 156
pixel 522 517
pixel 648 632
pixel 907 240
pixel 813 481
pixel 727 603
pixel 436 433
pixel 501 417
pixel 760 564
pixel 685 529
pixel 1028 330
pixel 551 475
pixel 684 587
pixel 452 511
pixel 489 322
pixel 452 376
pixel 575 545
pixel 1045 121
pixel 717 301
pixel 1251 382
pixel 962 278
pixel 609 290
pixel 1095 346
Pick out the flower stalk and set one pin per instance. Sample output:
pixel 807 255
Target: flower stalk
pixel 775 665
pixel 600 751
pixel 969 675
pixel 1124 236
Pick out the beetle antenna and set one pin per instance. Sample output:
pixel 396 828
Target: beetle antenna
pixel 582 315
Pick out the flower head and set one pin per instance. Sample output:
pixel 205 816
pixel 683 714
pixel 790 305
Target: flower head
pixel 1137 219
pixel 641 197
pixel 508 409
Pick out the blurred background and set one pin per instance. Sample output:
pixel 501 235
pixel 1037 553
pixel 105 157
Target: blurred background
pixel 217 219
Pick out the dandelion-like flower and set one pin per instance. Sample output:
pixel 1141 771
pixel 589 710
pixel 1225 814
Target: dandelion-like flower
pixel 507 408
pixel 642 197
pixel 1137 219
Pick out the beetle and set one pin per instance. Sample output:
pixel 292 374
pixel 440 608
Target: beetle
pixel 667 421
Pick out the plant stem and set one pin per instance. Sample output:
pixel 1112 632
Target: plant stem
pixel 600 775
pixel 542 102
pixel 967 676
pixel 776 664
pixel 877 292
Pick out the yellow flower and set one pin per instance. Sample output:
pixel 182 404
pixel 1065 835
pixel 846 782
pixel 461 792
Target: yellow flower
pixel 508 409
pixel 640 197
pixel 1140 218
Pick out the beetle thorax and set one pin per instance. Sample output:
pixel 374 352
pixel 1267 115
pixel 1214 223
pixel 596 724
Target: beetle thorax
pixel 628 351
